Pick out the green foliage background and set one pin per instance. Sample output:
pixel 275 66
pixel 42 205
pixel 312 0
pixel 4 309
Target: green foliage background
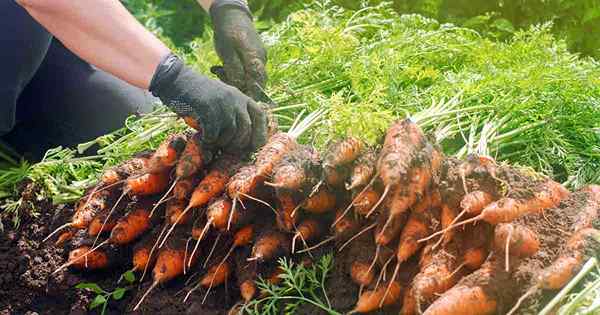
pixel 576 21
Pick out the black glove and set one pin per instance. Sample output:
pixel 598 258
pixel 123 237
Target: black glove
pixel 227 118
pixel 238 45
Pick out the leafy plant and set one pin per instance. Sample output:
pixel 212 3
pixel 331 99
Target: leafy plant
pixel 299 284
pixel 103 297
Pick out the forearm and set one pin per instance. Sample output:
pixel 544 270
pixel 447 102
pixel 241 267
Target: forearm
pixel 103 33
pixel 205 4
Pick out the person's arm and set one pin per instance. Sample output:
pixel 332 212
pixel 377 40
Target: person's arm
pixel 205 4
pixel 103 33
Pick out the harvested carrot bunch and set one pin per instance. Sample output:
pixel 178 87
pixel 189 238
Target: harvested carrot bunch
pixel 420 232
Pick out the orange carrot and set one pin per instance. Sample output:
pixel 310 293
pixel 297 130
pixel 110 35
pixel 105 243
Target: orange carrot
pixel 169 265
pixel 286 218
pixel 343 152
pixel 86 211
pixel 174 209
pixel 308 230
pixel 475 294
pixel 373 300
pixel 363 170
pixel 519 239
pixel 183 188
pixel 297 170
pixel 131 226
pixel 192 158
pixel 415 228
pixel 216 275
pixel 589 211
pixel 166 154
pixel 435 277
pixel 242 237
pixel 409 303
pixel 248 290
pixel 270 245
pixel 474 202
pixel 507 209
pixel 463 300
pixel 365 200
pixel 64 237
pixel 322 201
pixel 81 258
pixel 361 273
pixel 402 142
pixel 142 257
pixel 565 267
pixel 209 187
pixel 272 152
pixel 335 176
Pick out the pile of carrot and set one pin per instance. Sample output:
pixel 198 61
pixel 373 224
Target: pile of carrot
pixel 433 234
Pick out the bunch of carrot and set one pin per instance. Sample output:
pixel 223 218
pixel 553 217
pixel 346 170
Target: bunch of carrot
pixel 428 233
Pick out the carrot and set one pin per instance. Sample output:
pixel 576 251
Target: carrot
pixel 248 290
pixel 297 170
pixel 83 258
pixel 435 277
pixel 308 230
pixel 365 200
pixel 388 230
pixel 345 228
pixel 589 211
pixel 242 237
pixel 474 202
pixel 507 209
pixel 270 245
pixel 335 176
pixel 421 177
pixel 373 300
pixel 272 152
pixel 409 303
pixel 166 154
pixel 131 226
pixel 568 264
pixel 516 240
pixel 286 218
pixel 192 158
pixel 244 183
pixel 209 187
pixel 463 300
pixel 343 152
pixel 102 222
pixel 216 275
pixel 322 201
pixel 64 237
pixel 415 228
pixel 85 211
pixel 402 142
pixel 174 209
pixel 475 294
pixel 361 273
pixel 169 265
pixel 142 257
pixel 363 170
pixel 147 184
pixel 183 188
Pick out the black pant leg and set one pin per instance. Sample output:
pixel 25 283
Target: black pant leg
pixel 69 102
pixel 23 45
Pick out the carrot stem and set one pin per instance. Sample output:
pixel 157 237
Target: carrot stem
pixel 385 192
pixel 212 250
pixel 58 229
pixel 162 199
pixel 154 284
pixel 357 235
pixel 109 214
pixel 181 215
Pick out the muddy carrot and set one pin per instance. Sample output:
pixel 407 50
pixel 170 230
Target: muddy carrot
pixel 131 226
pixel 147 184
pixel 166 154
pixel 64 237
pixel 322 201
pixel 365 200
pixel 518 239
pixel 335 176
pixel 409 303
pixel 308 230
pixel 216 275
pixel 415 228
pixel 142 257
pixel 363 170
pixel 183 188
pixel 361 273
pixel 83 258
pixel 297 170
pixel 507 209
pixel 169 265
pixel 286 218
pixel 373 300
pixel 270 245
pixel 343 152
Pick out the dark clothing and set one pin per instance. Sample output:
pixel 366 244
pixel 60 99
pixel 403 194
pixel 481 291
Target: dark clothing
pixel 49 96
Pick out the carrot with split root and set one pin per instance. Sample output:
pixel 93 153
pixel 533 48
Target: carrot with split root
pixel 507 210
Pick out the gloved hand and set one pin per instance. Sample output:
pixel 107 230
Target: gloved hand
pixel 238 45
pixel 227 118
